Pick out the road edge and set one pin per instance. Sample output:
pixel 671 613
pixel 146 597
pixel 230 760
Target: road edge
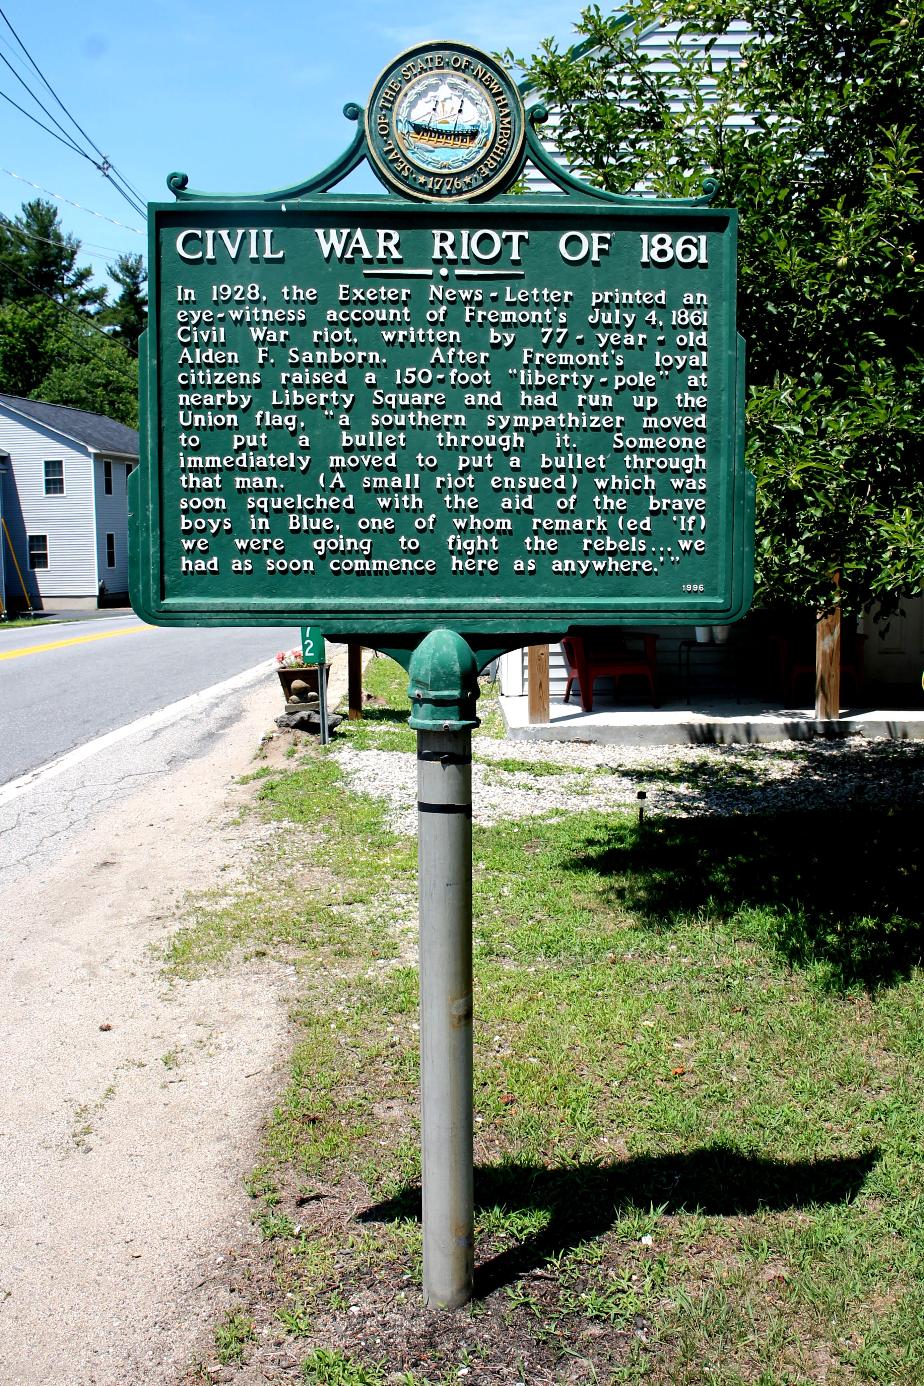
pixel 151 721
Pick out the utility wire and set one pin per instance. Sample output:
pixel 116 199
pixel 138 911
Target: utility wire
pixel 42 107
pixel 108 169
pixel 47 128
pixel 106 161
pixel 73 119
pixel 79 205
pixel 135 206
pixel 84 321
pixel 30 235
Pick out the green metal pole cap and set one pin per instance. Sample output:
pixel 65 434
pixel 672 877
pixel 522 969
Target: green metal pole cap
pixel 443 683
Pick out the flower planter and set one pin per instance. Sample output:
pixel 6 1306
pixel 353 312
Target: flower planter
pixel 303 685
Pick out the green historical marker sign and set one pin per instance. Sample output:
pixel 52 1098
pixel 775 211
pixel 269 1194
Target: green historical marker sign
pixel 380 415
pixel 444 421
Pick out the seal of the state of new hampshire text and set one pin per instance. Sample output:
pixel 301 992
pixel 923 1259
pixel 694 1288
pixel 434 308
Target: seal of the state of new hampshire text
pixel 445 124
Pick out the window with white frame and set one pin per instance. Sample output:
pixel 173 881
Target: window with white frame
pixel 38 551
pixel 107 477
pixel 110 550
pixel 54 478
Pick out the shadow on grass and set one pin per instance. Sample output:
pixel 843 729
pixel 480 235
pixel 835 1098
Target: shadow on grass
pixel 585 1201
pixel 384 714
pixel 841 888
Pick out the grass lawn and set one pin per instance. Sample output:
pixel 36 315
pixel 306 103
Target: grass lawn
pixel 699 1067
pixel 17 622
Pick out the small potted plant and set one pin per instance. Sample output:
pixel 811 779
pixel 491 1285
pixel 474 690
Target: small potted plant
pixel 299 679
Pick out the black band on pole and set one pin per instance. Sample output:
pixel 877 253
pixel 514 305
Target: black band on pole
pixel 445 757
pixel 465 809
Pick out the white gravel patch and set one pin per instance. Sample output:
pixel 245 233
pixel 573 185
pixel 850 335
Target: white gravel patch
pixel 777 777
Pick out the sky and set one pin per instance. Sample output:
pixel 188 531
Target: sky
pixel 241 97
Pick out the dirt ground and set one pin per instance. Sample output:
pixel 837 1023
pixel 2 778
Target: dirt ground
pixel 132 1103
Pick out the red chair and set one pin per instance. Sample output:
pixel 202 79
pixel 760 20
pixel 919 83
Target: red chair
pixel 608 655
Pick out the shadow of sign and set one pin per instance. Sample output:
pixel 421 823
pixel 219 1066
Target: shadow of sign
pixel 585 1201
pixel 864 920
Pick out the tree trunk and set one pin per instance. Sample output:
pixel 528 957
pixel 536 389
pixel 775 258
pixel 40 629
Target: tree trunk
pixel 538 675
pixel 355 681
pixel 828 662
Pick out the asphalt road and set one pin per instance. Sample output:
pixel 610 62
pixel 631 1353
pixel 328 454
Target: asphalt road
pixel 63 685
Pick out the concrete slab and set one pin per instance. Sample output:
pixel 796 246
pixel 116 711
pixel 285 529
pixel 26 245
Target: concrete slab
pixel 709 724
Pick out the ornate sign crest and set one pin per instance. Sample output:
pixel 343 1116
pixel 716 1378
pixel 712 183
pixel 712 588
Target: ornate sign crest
pixel 445 124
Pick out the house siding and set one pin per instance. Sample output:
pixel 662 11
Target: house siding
pixel 66 519
pixel 657 42
pixel 112 518
pixel 513 671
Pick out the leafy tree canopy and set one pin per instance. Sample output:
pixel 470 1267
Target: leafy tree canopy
pixel 37 259
pixel 46 354
pixel 826 174
pixel 52 345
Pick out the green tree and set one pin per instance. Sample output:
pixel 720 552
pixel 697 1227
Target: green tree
pixel 827 179
pixel 47 353
pixel 95 374
pixel 51 344
pixel 38 260
pixel 129 314
pixel 30 340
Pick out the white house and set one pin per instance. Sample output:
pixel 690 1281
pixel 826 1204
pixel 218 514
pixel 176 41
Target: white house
pixel 63 505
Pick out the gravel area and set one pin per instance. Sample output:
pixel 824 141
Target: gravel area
pixel 523 779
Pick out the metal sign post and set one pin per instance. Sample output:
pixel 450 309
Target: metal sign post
pixel 443 688
pixel 322 703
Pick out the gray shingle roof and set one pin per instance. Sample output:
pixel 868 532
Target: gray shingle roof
pixel 95 431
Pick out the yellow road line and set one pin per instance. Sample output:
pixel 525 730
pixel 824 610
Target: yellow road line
pixel 74 640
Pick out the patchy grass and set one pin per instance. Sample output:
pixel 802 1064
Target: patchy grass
pixel 698 1058
pixel 535 769
pixel 18 622
pixel 386 709
pixel 232 1336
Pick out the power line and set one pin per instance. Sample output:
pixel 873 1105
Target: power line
pixel 42 107
pixel 83 246
pixel 62 307
pixel 106 167
pixel 108 163
pixel 47 128
pixel 79 205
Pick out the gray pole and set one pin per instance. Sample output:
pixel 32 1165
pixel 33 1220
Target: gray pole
pixel 443 688
pixel 322 703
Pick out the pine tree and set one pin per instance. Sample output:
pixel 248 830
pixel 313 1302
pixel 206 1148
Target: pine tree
pixel 129 314
pixel 38 260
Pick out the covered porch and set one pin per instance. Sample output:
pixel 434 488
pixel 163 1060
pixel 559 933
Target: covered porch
pixel 677 685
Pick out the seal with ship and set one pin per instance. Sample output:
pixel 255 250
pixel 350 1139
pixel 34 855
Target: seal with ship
pixel 445 123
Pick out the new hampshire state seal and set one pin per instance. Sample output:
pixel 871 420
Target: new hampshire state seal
pixel 445 123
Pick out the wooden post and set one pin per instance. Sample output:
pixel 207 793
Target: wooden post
pixel 538 675
pixel 828 662
pixel 355 681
